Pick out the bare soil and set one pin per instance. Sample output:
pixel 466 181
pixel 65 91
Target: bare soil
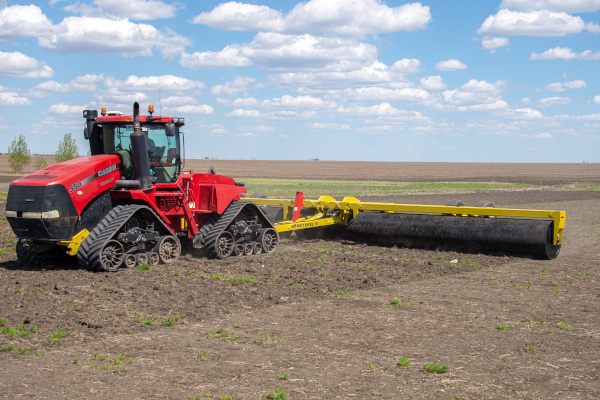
pixel 319 319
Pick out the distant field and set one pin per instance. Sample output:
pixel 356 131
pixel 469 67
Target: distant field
pixel 338 189
pixel 245 170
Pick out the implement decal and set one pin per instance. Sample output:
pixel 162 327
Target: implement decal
pixel 303 225
pixel 99 174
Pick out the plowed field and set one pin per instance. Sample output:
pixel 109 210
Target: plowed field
pixel 321 319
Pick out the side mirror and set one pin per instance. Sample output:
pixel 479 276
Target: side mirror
pixel 170 129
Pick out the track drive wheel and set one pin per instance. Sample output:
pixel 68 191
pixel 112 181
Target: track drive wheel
pixel 268 239
pixel 168 248
pixel 224 245
pixel 112 255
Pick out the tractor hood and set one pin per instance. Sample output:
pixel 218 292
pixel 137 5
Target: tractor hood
pixel 83 178
pixel 48 203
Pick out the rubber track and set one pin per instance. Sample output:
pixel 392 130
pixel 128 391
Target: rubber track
pixel 217 224
pixel 88 255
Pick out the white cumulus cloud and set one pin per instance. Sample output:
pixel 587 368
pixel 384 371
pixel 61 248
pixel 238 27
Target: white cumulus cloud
pixel 492 43
pixel 109 36
pixel 8 98
pixel 23 21
pixel 191 109
pixel 62 109
pixel 450 65
pixel 478 96
pixel 18 65
pixel 385 94
pixel 238 85
pixel 433 83
pixel 596 100
pixel 406 66
pixel 563 86
pixel 328 17
pixel 554 101
pixel 565 53
pixel 84 83
pixel 154 83
pixel 229 57
pixel 569 6
pixel 132 9
pixel 532 23
pixel 543 135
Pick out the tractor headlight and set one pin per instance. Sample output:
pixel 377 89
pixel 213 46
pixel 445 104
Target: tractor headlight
pixel 10 214
pixel 32 215
pixel 50 214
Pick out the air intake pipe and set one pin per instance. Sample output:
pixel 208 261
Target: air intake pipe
pixel 139 150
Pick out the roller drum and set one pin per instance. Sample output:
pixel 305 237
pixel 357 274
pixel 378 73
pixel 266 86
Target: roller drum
pixel 521 236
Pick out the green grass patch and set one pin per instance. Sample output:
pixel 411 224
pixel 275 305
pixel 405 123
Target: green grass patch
pixel 284 188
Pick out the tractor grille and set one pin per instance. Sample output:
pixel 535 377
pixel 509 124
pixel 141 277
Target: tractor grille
pixel 41 212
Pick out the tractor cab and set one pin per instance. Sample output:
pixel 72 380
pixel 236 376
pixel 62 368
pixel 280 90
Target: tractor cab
pixel 111 134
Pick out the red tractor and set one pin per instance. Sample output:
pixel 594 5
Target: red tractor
pixel 131 203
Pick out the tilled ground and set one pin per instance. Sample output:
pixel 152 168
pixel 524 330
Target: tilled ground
pixel 318 319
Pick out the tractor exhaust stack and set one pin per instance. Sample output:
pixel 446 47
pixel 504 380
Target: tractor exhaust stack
pixel 139 150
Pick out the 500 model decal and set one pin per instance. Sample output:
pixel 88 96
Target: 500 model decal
pixel 99 174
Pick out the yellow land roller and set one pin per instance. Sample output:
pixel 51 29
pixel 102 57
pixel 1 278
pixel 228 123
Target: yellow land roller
pixel 482 228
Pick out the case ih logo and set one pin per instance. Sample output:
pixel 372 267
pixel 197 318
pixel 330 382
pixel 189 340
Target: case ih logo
pixel 99 174
pixel 108 170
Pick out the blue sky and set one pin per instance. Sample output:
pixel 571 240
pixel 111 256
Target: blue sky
pixel 363 80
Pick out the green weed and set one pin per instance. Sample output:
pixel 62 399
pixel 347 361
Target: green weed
pixel 143 267
pixel 144 320
pixel 277 394
pixel 436 367
pixel 58 334
pixel 564 325
pixel 404 362
pixel 530 347
pixel 501 327
pixel 170 321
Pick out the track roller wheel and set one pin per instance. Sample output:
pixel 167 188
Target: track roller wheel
pixel 224 245
pixel 26 253
pixel 248 249
pixel 141 258
pixel 153 258
pixel 129 261
pixel 112 255
pixel 238 250
pixel 268 239
pixel 257 248
pixel 168 249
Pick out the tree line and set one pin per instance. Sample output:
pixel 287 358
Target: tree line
pixel 19 155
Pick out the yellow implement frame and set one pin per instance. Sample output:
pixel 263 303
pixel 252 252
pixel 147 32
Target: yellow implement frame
pixel 350 207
